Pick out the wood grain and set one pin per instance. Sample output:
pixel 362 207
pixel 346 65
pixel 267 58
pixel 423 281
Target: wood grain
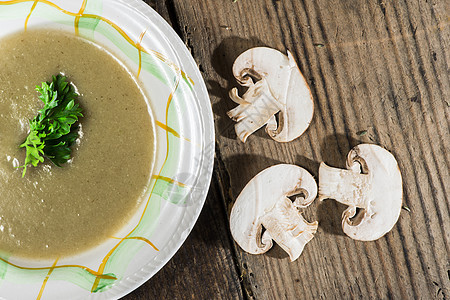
pixel 378 71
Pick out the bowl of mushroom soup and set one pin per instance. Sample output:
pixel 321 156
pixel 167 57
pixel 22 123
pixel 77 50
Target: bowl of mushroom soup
pixel 122 204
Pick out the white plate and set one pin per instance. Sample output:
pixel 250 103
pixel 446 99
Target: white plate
pixel 177 95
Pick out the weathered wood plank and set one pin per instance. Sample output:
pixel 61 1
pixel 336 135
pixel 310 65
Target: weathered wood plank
pixel 375 66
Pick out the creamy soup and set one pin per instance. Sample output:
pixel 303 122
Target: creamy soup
pixel 56 212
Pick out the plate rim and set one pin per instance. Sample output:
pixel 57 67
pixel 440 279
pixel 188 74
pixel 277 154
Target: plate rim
pixel 208 121
pixel 200 96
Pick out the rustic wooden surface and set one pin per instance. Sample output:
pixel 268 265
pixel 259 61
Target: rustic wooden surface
pixel 378 71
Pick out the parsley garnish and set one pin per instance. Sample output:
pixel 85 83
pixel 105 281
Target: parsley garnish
pixel 52 131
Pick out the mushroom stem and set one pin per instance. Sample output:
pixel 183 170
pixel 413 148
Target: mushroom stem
pixel 373 183
pixel 256 108
pixel 287 227
pixel 348 187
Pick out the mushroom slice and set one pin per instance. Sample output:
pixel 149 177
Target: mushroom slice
pixel 371 187
pixel 264 202
pixel 281 87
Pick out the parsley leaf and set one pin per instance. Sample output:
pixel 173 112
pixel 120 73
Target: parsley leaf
pixel 52 131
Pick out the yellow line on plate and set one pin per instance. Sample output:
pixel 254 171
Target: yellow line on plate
pixel 169 180
pixel 138 238
pixel 171 130
pixel 46 279
pixel 77 18
pixel 60 267
pixel 31 11
pixel 141 36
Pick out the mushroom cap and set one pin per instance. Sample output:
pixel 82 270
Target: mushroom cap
pixel 264 201
pixel 287 86
pixel 377 191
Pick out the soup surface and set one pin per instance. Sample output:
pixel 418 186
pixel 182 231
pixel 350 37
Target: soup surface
pixel 55 212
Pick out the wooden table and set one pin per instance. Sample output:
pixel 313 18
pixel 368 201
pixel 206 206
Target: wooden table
pixel 378 71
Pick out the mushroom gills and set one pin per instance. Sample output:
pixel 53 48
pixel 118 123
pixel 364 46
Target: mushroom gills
pixel 287 227
pixel 279 88
pixel 257 108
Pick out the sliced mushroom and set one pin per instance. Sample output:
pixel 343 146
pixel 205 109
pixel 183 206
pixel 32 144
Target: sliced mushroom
pixel 264 202
pixel 281 87
pixel 371 187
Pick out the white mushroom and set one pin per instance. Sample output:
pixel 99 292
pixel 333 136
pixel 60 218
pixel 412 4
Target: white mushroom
pixel 281 87
pixel 264 202
pixel 371 187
